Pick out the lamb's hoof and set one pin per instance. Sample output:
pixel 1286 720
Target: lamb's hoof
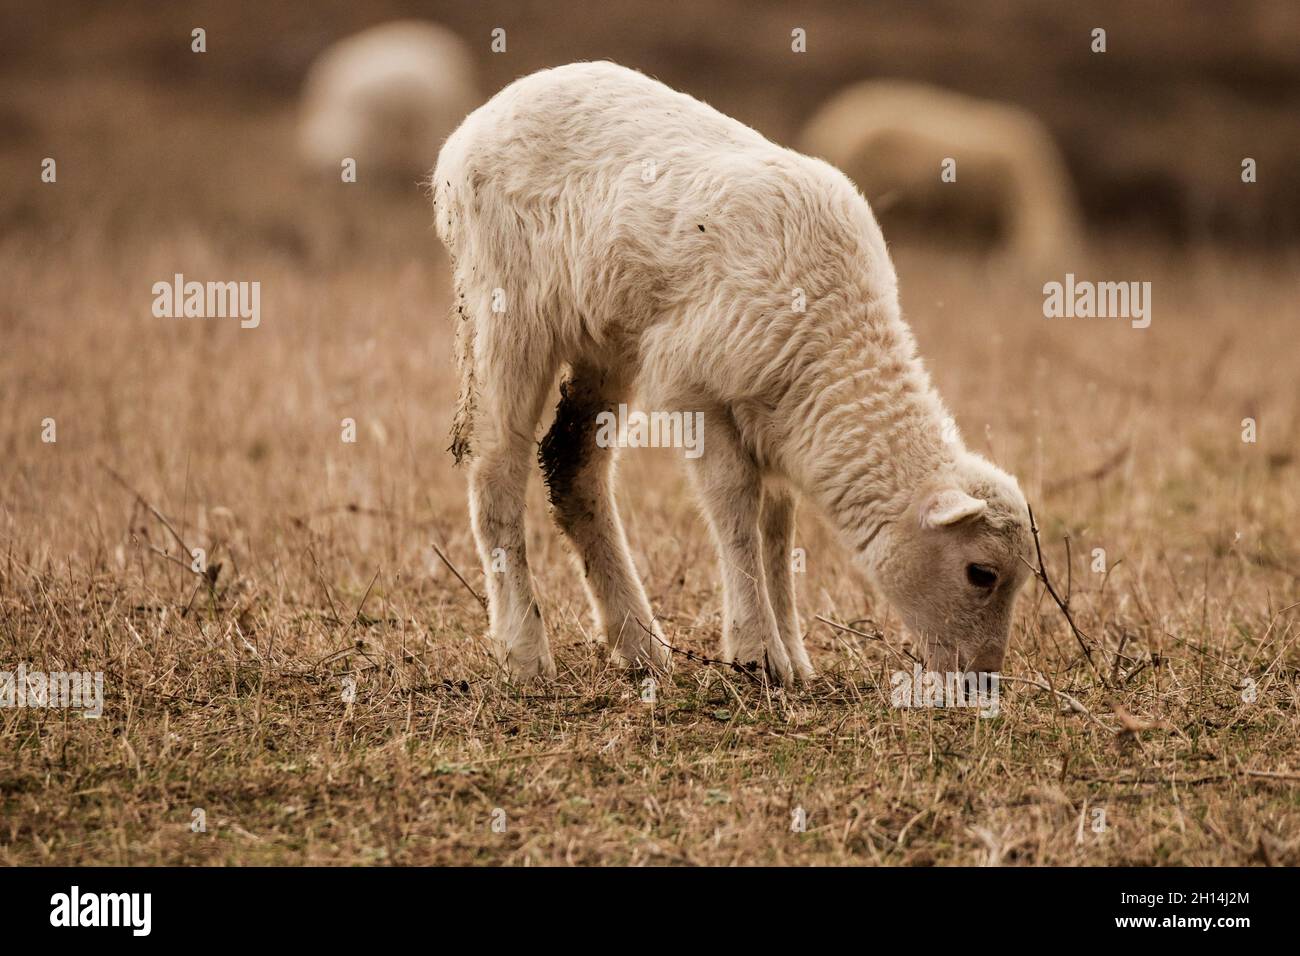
pixel 803 669
pixel 781 671
pixel 526 666
pixel 654 657
pixel 774 664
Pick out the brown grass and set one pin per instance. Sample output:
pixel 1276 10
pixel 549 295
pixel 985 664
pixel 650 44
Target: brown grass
pixel 231 698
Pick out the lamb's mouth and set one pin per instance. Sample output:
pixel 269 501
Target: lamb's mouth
pixel 946 657
pixel 934 653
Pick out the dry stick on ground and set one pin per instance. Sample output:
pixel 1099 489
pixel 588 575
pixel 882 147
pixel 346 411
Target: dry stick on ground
pixel 460 577
pixel 870 637
pixel 1071 702
pixel 357 616
pixel 359 646
pixel 324 587
pixel 1040 572
pixel 1270 775
pixel 145 502
pixel 482 601
pixel 208 575
pixel 751 671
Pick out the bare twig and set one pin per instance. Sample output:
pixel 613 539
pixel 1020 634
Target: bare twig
pixel 1271 775
pixel 357 616
pixel 461 578
pixel 1040 572
pixel 1069 571
pixel 208 575
pixel 1119 657
pixel 749 671
pixel 871 637
pixel 149 506
pixel 1095 474
pixel 325 587
pixel 1072 703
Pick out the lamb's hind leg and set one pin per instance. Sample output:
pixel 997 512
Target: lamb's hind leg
pixel 509 404
pixel 778 541
pixel 580 480
pixel 727 479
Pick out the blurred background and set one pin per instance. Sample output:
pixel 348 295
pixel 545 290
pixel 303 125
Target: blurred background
pixel 1153 131
pixel 171 161
pixel 174 161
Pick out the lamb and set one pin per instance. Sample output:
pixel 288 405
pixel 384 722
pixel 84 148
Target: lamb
pixel 600 221
pixel 385 97
pixel 892 138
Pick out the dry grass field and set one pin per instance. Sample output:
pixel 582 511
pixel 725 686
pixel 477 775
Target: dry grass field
pixel 325 694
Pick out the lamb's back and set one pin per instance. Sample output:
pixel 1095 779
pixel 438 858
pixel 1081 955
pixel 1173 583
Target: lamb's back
pixel 631 201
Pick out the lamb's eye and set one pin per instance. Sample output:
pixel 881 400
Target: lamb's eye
pixel 981 575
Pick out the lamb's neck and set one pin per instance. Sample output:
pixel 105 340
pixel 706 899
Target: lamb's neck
pixel 874 429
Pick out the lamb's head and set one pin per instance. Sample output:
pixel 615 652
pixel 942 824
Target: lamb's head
pixel 953 563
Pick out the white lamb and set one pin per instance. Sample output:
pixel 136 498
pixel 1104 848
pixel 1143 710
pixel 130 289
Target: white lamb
pixel 386 97
pixel 601 221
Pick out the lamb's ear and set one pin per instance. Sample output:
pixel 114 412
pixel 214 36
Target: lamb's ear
pixel 949 506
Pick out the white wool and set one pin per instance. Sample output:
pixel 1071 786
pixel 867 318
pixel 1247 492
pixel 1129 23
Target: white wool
pixel 892 137
pixel 386 97
pixel 601 221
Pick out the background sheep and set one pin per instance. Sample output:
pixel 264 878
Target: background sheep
pixel 1011 186
pixel 386 97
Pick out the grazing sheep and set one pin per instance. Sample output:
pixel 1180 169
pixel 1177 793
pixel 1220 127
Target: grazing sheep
pixel 892 138
pixel 601 221
pixel 386 97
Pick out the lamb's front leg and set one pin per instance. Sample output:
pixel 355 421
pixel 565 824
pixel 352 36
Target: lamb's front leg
pixel 727 481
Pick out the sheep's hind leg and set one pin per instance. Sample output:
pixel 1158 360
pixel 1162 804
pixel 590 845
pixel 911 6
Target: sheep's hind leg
pixel 778 541
pixel 579 477
pixel 730 489
pixel 509 404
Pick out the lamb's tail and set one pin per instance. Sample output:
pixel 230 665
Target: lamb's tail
pixel 462 422
pixel 447 217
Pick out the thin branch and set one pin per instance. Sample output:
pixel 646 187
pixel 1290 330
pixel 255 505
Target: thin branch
pixel 325 587
pixel 152 510
pixel 357 616
pixel 871 637
pixel 1271 775
pixel 749 671
pixel 1072 703
pixel 1095 474
pixel 209 573
pixel 461 578
pixel 1069 571
pixel 1041 573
